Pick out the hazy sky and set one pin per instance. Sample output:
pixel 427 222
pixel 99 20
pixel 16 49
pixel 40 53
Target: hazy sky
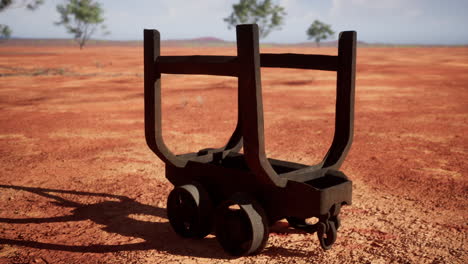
pixel 388 21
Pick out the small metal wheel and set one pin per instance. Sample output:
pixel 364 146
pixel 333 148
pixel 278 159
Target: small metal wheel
pixel 326 233
pixel 337 221
pixel 189 211
pixel 241 226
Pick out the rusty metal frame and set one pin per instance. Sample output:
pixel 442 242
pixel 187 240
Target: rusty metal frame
pixel 249 131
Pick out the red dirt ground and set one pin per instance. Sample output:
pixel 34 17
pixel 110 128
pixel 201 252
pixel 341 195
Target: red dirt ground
pixel 79 185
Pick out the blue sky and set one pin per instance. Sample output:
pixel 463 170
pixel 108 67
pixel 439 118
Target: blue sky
pixel 384 21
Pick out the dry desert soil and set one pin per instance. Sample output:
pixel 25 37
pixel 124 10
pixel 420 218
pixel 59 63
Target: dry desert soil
pixel 78 183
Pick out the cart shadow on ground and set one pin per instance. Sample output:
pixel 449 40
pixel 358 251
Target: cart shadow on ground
pixel 115 216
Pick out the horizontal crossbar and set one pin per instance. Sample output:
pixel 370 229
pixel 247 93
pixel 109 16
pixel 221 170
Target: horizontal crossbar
pixel 211 65
pixel 299 61
pixel 229 66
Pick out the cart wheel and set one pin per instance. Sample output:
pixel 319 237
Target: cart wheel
pixel 189 211
pixel 326 234
pixel 241 226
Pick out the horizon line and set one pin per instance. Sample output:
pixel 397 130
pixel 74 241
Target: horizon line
pixel 219 40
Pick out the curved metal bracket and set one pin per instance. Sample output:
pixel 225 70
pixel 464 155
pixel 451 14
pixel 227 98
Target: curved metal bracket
pixel 153 111
pixel 344 113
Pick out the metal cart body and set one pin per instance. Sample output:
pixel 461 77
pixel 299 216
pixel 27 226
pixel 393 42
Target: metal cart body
pixel 265 190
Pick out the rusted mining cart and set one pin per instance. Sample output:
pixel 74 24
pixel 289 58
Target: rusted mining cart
pixel 239 195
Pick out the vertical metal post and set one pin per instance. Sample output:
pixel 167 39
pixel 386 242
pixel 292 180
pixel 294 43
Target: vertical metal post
pixel 152 83
pixel 250 91
pixel 251 107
